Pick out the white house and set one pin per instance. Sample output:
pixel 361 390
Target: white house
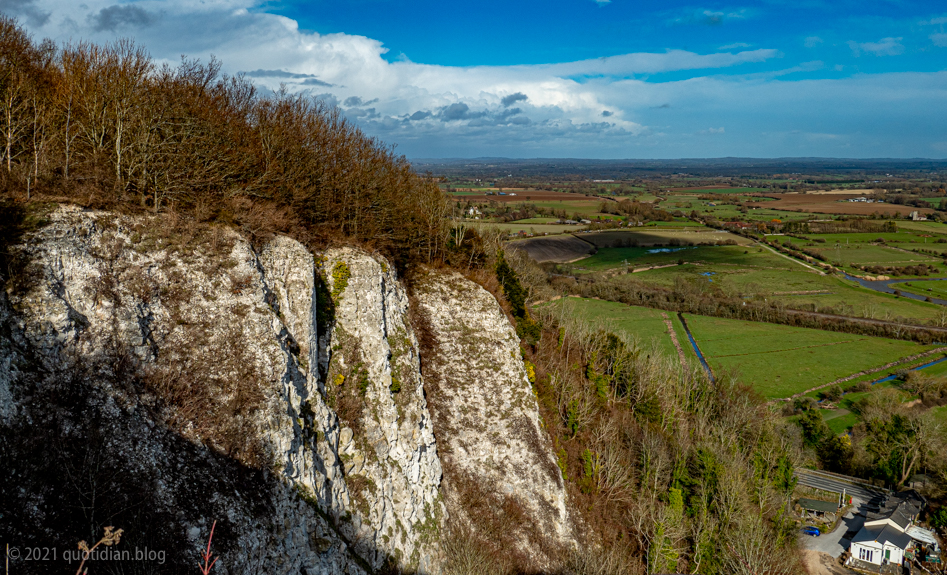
pixel 880 545
pixel 884 538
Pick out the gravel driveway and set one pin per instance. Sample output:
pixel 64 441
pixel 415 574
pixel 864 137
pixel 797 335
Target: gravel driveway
pixel 832 543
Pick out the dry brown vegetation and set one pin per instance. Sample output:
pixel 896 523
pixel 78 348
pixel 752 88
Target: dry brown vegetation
pixel 106 126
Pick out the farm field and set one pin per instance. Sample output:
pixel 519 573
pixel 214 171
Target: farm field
pixel 748 271
pixel 559 249
pixel 650 237
pixel 537 221
pixel 645 324
pixel 779 361
pixel 538 229
pixel 719 190
pixel 848 298
pixel 868 254
pixel 928 227
pixel 936 289
pixel 687 203
pixel 714 260
pixel 830 204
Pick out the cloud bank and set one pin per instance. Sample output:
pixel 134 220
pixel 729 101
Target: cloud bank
pixel 602 107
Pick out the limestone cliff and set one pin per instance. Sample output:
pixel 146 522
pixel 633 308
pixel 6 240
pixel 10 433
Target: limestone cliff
pixel 273 390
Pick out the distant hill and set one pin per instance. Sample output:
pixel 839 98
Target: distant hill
pixel 618 169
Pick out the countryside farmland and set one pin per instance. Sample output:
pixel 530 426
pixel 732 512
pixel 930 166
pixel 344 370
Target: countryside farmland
pixel 801 252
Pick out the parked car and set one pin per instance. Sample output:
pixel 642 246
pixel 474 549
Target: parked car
pixel 813 531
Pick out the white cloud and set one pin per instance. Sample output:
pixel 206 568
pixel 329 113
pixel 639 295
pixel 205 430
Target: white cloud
pixel 883 47
pixel 939 40
pixel 735 45
pixel 812 41
pixel 536 110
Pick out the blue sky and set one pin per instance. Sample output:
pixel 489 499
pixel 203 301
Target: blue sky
pixel 572 78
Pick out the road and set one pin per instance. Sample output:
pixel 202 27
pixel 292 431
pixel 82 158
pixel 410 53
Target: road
pixel 835 543
pixel 827 483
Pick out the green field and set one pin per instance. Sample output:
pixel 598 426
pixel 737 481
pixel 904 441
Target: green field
pixel 748 271
pixel 839 420
pixel 779 361
pixel 645 324
pixel 928 227
pixel 726 261
pixel 848 298
pixel 867 254
pixel 936 289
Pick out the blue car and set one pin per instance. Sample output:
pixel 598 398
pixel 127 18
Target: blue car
pixel 811 531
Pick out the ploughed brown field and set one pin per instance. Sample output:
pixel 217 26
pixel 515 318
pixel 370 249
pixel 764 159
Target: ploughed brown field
pixel 559 249
pixel 534 196
pixel 830 204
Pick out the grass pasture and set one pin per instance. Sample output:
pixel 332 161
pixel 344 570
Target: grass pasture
pixel 779 361
pixel 722 260
pixel 936 289
pixel 870 254
pixel 645 324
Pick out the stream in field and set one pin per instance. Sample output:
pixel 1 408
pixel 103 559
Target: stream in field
pixel 693 341
pixel 885 286
pixel 895 376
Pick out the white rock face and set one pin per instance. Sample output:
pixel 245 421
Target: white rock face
pixel 486 416
pixel 321 446
pixel 215 311
pixel 387 442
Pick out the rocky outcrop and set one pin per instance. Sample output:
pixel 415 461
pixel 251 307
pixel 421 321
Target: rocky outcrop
pixel 276 392
pixel 487 420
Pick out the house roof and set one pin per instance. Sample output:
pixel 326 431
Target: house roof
pixel 816 505
pixel 901 508
pixel 883 534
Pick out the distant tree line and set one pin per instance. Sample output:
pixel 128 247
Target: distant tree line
pixel 105 126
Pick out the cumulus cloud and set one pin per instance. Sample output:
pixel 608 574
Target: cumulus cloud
pixel 735 46
pixel 453 112
pixel 883 47
pixel 508 101
pixel 711 131
pixel 596 107
pixel 939 40
pixel 813 41
pixel 119 16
